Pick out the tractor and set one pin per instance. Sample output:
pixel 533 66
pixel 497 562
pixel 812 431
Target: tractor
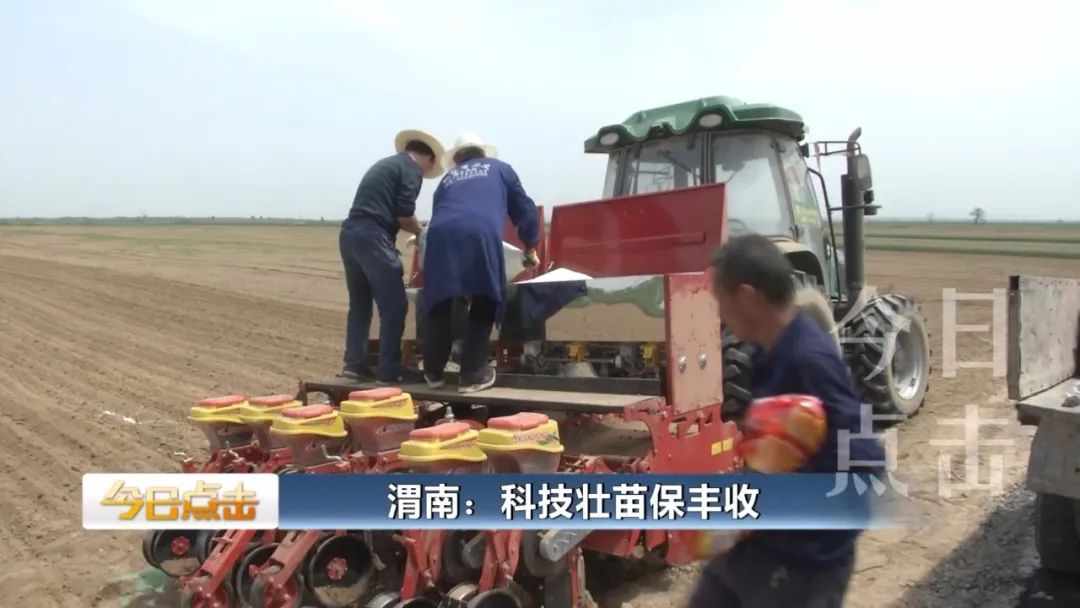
pixel 757 152
pixel 612 349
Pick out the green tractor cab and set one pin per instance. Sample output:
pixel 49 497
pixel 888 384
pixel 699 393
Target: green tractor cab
pixel 758 152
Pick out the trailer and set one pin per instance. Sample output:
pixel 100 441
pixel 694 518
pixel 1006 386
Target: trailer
pixel 1044 380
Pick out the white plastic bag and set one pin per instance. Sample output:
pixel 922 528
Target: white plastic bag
pixel 515 260
pixel 559 275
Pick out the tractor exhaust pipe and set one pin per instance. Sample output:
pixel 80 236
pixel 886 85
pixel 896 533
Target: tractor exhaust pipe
pixel 853 208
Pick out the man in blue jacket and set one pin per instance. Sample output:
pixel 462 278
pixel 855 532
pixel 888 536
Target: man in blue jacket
pixel 385 202
pixel 463 256
pixel 755 293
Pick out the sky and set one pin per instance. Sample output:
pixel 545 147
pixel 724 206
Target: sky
pixel 277 107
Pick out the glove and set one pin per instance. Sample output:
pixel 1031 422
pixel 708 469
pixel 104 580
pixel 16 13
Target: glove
pixel 531 259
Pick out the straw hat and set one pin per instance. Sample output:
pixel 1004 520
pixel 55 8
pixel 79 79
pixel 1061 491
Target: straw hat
pixel 467 140
pixel 403 138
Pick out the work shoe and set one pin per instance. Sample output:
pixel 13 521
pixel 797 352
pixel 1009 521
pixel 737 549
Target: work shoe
pixel 434 383
pixel 355 376
pixel 486 382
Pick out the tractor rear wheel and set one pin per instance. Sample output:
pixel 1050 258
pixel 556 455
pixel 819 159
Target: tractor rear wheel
pixel 738 360
pixel 738 355
pixel 888 348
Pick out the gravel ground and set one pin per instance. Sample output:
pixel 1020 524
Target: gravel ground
pixel 997 567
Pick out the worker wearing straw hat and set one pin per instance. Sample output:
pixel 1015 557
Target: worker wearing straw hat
pixel 463 256
pixel 385 203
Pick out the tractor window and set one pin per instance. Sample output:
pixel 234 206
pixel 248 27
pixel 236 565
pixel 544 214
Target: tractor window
pixel 803 200
pixel 804 204
pixel 612 174
pixel 748 165
pixel 661 165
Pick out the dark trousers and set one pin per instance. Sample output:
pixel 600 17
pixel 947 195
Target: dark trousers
pixel 749 576
pixel 439 338
pixel 373 275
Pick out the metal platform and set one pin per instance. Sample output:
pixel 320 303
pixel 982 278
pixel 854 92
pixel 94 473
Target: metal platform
pixel 1051 405
pixel 509 397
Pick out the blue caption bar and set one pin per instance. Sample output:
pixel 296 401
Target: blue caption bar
pixel 580 501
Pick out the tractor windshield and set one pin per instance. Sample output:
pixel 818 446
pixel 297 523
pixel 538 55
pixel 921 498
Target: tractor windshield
pixel 666 164
pixel 749 166
pixel 747 162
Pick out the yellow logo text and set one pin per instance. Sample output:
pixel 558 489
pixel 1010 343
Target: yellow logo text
pixel 163 503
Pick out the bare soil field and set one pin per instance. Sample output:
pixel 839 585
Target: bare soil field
pixel 108 334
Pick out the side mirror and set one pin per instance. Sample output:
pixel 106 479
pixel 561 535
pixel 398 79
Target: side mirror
pixel 863 179
pixel 804 149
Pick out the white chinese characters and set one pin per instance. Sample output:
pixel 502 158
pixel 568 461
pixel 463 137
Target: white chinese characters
pixel 416 502
pixel 627 501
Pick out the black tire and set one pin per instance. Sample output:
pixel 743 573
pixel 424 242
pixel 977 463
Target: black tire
pixel 1057 536
pixel 242 579
pixel 888 326
pixel 454 569
pixel 738 357
pixel 175 566
pixel 149 538
pixel 738 360
pixel 204 543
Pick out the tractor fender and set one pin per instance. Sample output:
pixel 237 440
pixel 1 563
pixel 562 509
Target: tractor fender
pixel 813 303
pixel 803 259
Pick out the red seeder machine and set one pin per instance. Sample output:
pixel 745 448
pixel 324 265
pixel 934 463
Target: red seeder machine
pixel 623 368
pixel 514 428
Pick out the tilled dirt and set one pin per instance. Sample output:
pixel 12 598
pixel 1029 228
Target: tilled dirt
pixel 105 346
pixel 101 365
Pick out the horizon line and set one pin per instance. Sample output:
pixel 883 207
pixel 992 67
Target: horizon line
pixel 333 220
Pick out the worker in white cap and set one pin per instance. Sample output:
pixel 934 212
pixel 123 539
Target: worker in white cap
pixel 385 203
pixel 463 256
